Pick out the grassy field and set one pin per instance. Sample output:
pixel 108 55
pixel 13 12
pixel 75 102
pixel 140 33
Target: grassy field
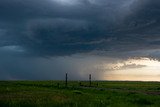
pixel 79 94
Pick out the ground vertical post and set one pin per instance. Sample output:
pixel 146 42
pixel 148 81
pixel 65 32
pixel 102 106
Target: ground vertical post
pixel 66 79
pixel 90 77
pixel 58 85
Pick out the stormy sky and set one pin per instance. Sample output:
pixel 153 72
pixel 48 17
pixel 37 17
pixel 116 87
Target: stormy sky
pixel 111 39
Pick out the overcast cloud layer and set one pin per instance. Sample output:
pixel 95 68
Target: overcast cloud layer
pixel 61 28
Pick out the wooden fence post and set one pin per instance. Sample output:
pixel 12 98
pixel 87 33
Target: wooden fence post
pixel 90 77
pixel 66 80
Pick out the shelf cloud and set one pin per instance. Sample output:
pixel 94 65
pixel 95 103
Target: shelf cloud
pixel 64 28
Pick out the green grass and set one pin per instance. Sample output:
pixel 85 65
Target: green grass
pixel 55 94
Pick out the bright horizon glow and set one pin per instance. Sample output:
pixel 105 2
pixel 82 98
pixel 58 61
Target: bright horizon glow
pixel 135 69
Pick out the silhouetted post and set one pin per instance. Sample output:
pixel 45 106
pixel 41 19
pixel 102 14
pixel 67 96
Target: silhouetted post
pixel 90 79
pixel 58 85
pixel 80 84
pixel 66 79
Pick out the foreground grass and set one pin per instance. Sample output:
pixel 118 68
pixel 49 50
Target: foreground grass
pixel 55 94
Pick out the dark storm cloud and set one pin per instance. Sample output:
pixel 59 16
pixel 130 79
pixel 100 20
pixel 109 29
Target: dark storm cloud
pixel 53 27
pixel 14 66
pixel 110 30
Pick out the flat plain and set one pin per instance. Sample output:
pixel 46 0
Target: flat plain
pixel 79 94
